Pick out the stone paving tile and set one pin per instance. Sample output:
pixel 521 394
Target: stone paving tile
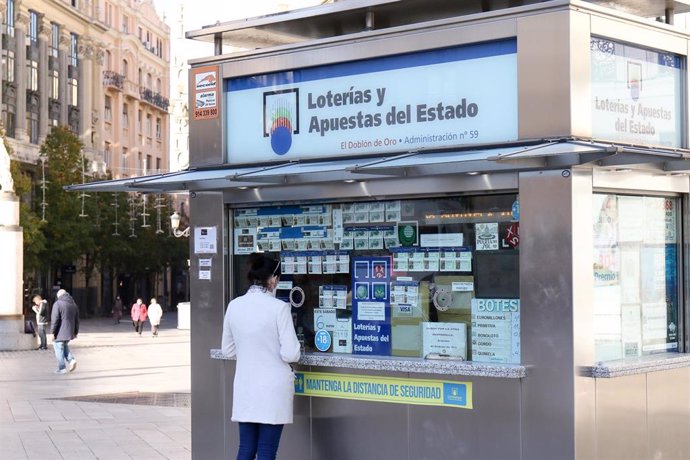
pixel 38 445
pixel 46 411
pixel 12 446
pixel 141 450
pixel 70 445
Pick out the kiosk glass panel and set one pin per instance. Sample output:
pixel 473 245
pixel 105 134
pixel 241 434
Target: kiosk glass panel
pixel 427 278
pixel 636 283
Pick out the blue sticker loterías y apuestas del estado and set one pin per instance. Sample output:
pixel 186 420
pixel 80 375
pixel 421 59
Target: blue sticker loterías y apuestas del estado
pixel 371 314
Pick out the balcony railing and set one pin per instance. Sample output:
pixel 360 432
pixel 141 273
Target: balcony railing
pixel 154 98
pixel 114 79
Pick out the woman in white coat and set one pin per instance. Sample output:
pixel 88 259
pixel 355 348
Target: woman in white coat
pixel 259 331
pixel 155 315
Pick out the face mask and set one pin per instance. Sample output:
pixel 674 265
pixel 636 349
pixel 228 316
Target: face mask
pixel 275 288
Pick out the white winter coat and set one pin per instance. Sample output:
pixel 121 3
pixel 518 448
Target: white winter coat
pixel 258 329
pixel 155 313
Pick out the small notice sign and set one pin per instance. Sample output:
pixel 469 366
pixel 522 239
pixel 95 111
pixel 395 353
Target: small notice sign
pixel 206 90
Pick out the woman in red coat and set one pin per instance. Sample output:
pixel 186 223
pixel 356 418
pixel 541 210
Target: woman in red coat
pixel 138 314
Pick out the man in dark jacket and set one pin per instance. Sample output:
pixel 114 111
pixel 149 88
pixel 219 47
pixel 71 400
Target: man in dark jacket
pixel 40 307
pixel 65 327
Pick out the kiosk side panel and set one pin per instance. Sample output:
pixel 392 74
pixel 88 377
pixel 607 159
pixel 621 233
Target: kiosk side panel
pixel 208 379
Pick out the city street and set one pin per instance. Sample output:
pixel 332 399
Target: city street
pixel 128 398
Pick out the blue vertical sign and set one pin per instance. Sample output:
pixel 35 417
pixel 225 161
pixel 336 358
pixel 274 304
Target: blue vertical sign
pixel 371 313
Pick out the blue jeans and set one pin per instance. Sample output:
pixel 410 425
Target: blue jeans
pixel 42 336
pixel 62 353
pixel 258 439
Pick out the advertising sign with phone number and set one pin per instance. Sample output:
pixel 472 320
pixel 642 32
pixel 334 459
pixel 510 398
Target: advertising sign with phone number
pixel 205 92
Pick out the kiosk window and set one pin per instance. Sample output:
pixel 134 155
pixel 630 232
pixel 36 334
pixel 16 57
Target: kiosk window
pixel 428 278
pixel 636 284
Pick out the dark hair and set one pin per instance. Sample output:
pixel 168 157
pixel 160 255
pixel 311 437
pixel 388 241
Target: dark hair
pixel 262 268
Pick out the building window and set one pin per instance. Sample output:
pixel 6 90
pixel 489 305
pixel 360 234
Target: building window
pixel 73 49
pixel 108 14
pixel 9 18
pixel 125 24
pixel 9 123
pixel 32 127
pixel 123 160
pixel 148 125
pixel 158 85
pixel 636 275
pixel 125 116
pixel 54 84
pixel 158 165
pixel 108 109
pixel 139 121
pixel 54 39
pixel 149 164
pixel 140 163
pixel 53 121
pixel 8 64
pixel 139 78
pixel 74 3
pixel 33 28
pixel 140 33
pixel 158 128
pixel 73 92
pixel 125 67
pixel 32 75
pixel 106 155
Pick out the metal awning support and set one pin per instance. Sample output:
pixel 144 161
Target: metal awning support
pixel 251 174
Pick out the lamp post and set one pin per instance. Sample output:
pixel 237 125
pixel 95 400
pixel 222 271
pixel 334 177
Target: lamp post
pixel 175 225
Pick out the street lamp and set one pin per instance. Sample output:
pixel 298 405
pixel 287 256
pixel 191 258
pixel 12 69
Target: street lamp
pixel 175 225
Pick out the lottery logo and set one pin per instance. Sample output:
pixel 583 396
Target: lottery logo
pixel 281 119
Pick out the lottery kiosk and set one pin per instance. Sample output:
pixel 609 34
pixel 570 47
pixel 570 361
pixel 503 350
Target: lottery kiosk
pixel 480 213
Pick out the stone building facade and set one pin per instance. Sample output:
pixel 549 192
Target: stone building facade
pixel 100 67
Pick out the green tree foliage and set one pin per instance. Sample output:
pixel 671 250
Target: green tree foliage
pixel 68 236
pixel 101 231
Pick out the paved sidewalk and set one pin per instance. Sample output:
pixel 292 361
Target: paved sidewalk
pixel 127 399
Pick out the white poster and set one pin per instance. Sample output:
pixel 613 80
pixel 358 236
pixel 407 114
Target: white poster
pixel 486 236
pixel 444 339
pixel 205 240
pixel 496 330
pixel 371 311
pixel 437 240
pixel 342 336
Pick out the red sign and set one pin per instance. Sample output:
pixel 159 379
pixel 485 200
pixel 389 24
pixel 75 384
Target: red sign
pixel 512 237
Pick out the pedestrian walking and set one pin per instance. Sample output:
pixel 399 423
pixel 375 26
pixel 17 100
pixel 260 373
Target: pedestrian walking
pixel 117 310
pixel 40 307
pixel 138 314
pixel 155 313
pixel 259 331
pixel 65 327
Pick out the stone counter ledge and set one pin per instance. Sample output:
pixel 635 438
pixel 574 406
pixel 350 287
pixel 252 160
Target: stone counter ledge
pixel 412 365
pixel 642 365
